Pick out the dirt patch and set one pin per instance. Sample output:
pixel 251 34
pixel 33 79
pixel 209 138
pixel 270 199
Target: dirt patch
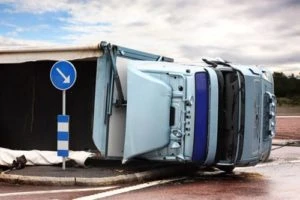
pixel 288 128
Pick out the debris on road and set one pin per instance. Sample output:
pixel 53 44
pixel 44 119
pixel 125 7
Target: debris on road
pixel 36 157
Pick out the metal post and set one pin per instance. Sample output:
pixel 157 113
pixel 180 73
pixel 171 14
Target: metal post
pixel 64 163
pixel 64 102
pixel 64 113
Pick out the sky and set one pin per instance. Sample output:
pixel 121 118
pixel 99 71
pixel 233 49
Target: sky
pixel 258 32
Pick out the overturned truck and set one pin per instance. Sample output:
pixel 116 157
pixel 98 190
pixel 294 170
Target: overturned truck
pixel 214 114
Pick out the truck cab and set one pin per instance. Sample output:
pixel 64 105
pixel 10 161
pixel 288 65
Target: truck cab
pixel 215 114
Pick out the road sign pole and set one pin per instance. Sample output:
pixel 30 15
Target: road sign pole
pixel 64 163
pixel 64 102
pixel 64 113
pixel 63 76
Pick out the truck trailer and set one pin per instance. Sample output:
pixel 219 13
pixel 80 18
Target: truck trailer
pixel 213 114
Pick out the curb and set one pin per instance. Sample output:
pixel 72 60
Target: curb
pixel 37 180
pixel 165 172
pixel 280 142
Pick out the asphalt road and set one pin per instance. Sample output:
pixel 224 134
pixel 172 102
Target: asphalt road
pixel 277 179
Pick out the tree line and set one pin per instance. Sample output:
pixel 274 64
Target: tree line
pixel 286 86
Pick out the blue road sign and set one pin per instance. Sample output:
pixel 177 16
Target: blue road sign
pixel 63 135
pixel 63 75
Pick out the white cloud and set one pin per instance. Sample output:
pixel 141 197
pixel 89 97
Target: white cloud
pixel 35 6
pixel 258 32
pixel 10 43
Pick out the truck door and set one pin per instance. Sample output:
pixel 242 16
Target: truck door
pixel 148 114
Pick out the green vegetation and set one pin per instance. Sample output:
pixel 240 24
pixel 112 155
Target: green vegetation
pixel 287 89
pixel 292 101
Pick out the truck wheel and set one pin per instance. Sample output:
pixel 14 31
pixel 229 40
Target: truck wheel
pixel 227 169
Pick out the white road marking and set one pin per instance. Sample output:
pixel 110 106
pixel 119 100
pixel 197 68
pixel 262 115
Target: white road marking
pixel 55 191
pixel 127 189
pixel 290 116
pixel 295 161
pixel 276 163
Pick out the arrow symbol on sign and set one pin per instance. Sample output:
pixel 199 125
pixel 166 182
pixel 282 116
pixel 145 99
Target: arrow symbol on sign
pixel 66 78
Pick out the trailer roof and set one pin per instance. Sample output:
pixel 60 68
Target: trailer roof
pixel 22 55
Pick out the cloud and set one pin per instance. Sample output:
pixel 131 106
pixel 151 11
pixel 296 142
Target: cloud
pixel 10 43
pixel 34 6
pixel 250 32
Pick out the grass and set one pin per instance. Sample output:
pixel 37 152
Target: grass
pixel 288 110
pixel 288 106
pixel 288 101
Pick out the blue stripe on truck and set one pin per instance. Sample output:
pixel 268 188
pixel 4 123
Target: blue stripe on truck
pixel 201 117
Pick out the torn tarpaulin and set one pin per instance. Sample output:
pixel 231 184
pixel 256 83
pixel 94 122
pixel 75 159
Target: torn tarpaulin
pixel 36 157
